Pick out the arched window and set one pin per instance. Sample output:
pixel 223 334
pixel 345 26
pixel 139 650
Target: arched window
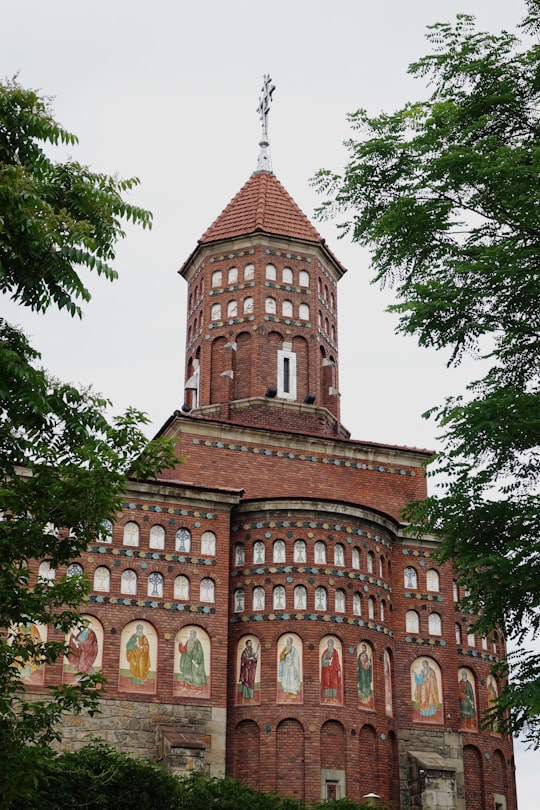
pixel 45 572
pixel 299 551
pixel 371 607
pixel 271 272
pixel 339 558
pixel 157 537
pixel 279 551
pixel 74 570
pixel 248 305
pixel 239 600
pixel 326 326
pixel 287 275
pixel 320 552
pixel 215 312
pixel 434 624
pixel 270 306
pixel 232 309
pixel 325 292
pixel 183 540
pixel 455 591
pixel 320 598
pixel 382 611
pixel 233 275
pixel 181 588
pixel 357 604
pixel 249 272
pixel 412 622
pixel 287 309
pixel 356 558
pixel 333 332
pixel 258 552
pixel 258 598
pixel 471 640
pixel 208 544
pixel 410 577
pixel 300 598
pixel 217 278
pixel 239 554
pixel 370 560
pixel 155 584
pixel 340 600
pixel 458 633
pixel 303 278
pixel 128 582
pixel 319 286
pixel 432 580
pixel 381 567
pixel 303 312
pixel 102 579
pixel 131 534
pixel 279 598
pixel 484 643
pixel 319 319
pixel 189 333
pixel 105 535
pixel 207 590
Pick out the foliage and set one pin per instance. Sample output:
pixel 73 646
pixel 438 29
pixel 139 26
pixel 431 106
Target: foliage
pixel 100 778
pixel 55 218
pixel 63 465
pixel 446 193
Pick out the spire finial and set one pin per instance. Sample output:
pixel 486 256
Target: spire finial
pixel 265 164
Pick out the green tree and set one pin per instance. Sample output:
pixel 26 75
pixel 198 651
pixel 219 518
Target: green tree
pixel 100 778
pixel 63 465
pixel 445 192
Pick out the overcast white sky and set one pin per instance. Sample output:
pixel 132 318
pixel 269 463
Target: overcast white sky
pixel 168 91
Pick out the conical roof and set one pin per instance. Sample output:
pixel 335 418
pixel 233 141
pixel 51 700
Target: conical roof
pixel 261 205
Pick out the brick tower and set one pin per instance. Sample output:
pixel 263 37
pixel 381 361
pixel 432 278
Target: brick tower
pixel 295 637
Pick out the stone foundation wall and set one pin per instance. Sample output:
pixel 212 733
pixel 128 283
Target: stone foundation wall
pixel 419 791
pixel 183 737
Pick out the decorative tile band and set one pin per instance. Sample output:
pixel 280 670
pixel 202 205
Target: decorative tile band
pixel 229 256
pixel 261 451
pixel 428 642
pixel 415 553
pixel 478 654
pixel 287 255
pixel 106 548
pixel 295 569
pixel 149 603
pixel 169 510
pixel 313 617
pixel 426 597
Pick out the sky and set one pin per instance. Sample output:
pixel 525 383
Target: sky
pixel 168 91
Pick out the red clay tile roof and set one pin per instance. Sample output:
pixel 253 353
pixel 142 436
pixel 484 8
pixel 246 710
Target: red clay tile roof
pixel 261 205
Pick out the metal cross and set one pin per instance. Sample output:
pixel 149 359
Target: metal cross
pixel 264 103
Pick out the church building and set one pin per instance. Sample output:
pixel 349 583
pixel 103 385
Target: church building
pixel 260 610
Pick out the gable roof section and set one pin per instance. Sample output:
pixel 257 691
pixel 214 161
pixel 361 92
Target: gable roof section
pixel 262 204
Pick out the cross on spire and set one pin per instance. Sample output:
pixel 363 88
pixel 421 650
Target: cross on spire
pixel 264 163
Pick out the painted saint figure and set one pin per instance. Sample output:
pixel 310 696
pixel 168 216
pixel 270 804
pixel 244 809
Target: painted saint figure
pixel 365 675
pixel 192 668
pixel 248 669
pixel 28 637
pixel 467 703
pixel 83 650
pixel 331 684
pixel 427 690
pixel 138 656
pixel 289 670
